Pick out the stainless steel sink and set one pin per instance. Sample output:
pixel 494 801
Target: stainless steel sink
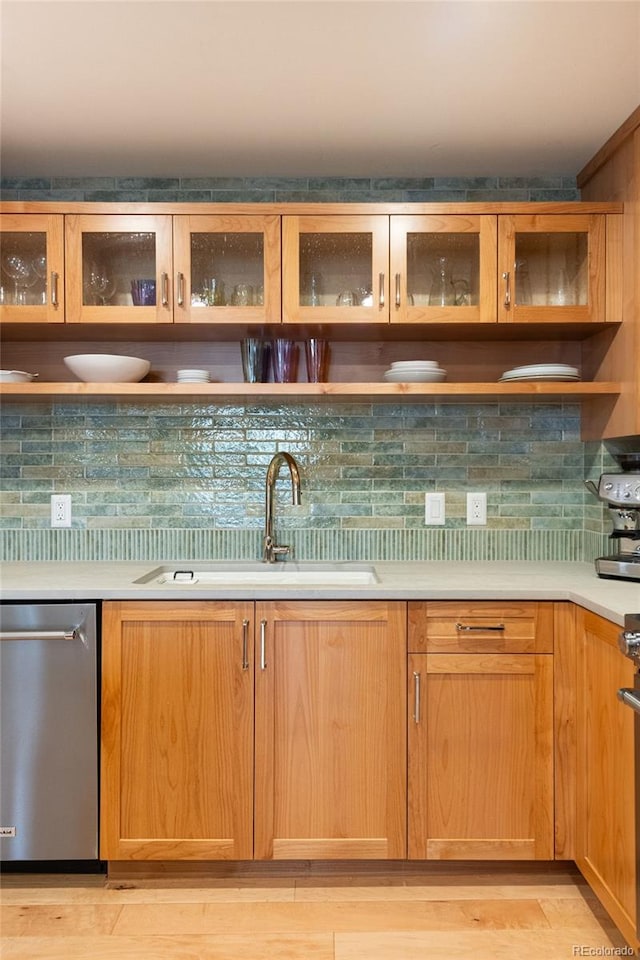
pixel 239 574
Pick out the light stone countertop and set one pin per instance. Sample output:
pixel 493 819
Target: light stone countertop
pixel 424 580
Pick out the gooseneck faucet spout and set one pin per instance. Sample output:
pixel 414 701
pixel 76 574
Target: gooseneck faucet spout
pixel 270 550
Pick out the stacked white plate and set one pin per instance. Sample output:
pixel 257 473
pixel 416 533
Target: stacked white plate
pixel 194 376
pixel 16 376
pixel 542 371
pixel 414 371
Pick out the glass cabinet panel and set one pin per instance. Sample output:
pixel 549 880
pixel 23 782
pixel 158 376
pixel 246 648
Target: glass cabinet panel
pixel 335 268
pixel 443 268
pixel 552 267
pixel 227 269
pixel 118 268
pixel 30 267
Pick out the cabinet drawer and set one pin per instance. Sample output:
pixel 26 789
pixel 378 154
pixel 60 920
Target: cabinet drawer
pixel 480 627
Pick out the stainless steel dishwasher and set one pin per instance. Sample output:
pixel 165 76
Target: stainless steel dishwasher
pixel 48 732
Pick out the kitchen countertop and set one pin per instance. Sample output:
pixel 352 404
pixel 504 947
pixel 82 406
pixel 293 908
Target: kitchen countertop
pixel 423 580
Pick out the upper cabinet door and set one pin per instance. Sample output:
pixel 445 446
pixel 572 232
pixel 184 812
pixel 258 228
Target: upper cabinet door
pixel 118 268
pixel 31 268
pixel 443 269
pixel 552 268
pixel 227 269
pixel 335 269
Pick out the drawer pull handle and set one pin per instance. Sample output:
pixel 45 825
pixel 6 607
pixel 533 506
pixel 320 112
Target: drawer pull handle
pixel 397 289
pixel 507 289
pixel 381 290
pixel 497 626
pixel 180 286
pixel 164 287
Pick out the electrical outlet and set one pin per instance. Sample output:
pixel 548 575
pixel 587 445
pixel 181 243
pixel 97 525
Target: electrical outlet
pixel 476 509
pixel 434 509
pixel 60 509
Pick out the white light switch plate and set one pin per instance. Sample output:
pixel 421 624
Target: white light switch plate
pixel 434 514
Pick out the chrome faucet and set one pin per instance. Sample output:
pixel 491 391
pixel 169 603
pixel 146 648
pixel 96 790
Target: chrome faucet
pixel 270 550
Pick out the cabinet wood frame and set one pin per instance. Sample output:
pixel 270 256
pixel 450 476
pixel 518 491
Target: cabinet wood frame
pixel 605 823
pixel 51 224
pixel 330 731
pixel 78 224
pixel 175 689
pixel 292 229
pixel 594 226
pixel 401 311
pixel 269 226
pixel 507 674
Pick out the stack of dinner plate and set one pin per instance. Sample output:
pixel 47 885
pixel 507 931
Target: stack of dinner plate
pixel 415 371
pixel 542 371
pixel 194 376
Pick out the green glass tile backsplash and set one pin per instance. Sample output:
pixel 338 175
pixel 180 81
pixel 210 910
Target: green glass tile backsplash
pixel 151 481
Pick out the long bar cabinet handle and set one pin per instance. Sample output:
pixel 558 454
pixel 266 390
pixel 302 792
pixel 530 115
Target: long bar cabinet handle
pixel 245 644
pixel 507 289
pixel 164 288
pixel 180 286
pixel 630 697
pixel 263 644
pixel 497 626
pixel 55 302
pixel 381 290
pixel 39 634
pixel 397 289
pixel 416 697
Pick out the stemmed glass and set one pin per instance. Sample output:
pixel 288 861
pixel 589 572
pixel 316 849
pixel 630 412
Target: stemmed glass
pixel 99 286
pixel 19 270
pixel 39 265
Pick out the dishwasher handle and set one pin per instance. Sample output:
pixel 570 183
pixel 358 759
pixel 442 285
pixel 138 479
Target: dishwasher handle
pixel 630 697
pixel 72 634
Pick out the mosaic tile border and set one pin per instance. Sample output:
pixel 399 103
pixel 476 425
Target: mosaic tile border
pixel 366 545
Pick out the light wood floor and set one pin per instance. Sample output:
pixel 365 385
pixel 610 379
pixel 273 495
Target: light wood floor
pixel 448 914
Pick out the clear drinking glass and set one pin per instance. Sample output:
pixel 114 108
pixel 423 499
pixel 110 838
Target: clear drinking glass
pixel 285 360
pixel 256 355
pixel 317 360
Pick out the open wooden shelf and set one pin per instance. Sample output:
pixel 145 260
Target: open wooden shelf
pixel 539 390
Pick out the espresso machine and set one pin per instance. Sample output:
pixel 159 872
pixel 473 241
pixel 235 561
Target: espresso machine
pixel 621 493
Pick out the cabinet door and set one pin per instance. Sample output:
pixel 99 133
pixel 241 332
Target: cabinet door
pixel 552 268
pixel 31 268
pixel 335 269
pixel 227 269
pixel 177 727
pixel 480 756
pixel 118 268
pixel 330 730
pixel 606 791
pixel 443 269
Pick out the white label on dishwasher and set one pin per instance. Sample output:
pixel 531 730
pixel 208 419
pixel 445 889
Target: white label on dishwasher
pixel 7 831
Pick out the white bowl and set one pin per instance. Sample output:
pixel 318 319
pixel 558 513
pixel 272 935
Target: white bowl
pixel 107 368
pixel 16 376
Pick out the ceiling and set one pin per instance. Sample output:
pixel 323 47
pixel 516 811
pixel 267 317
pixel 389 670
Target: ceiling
pixel 251 88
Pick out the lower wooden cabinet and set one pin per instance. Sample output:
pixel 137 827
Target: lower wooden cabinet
pixel 177 731
pixel 183 777
pixel 605 835
pixel 480 731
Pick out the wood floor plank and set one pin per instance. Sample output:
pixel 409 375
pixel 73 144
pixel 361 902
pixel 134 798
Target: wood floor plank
pixel 124 894
pixel 304 893
pixel 238 947
pixel 466 945
pixel 58 919
pixel 345 916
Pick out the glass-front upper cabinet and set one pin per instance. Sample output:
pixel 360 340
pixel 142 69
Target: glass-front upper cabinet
pixel 551 268
pixel 31 268
pixel 118 268
pixel 443 269
pixel 227 269
pixel 335 269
